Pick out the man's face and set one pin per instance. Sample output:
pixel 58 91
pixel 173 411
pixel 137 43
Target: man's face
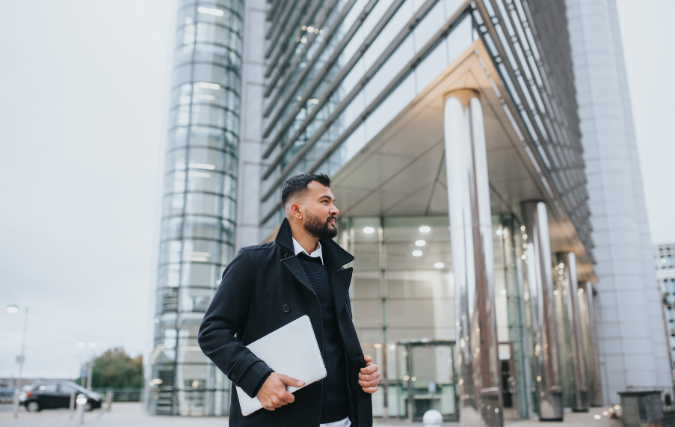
pixel 320 211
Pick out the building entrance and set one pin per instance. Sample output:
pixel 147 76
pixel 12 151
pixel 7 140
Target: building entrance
pixel 428 378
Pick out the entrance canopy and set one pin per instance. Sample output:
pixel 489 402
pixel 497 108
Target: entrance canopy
pixel 401 171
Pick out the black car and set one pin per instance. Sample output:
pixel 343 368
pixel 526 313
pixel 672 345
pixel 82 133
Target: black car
pixel 49 395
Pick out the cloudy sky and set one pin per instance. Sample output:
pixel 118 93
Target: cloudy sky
pixel 83 103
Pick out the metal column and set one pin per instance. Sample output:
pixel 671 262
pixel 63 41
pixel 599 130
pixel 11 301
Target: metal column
pixel 586 302
pixel 540 281
pixel 472 261
pixel 574 324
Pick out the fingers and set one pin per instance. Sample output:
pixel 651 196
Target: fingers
pixel 274 395
pixel 370 380
pixel 371 377
pixel 287 398
pixel 370 390
pixel 279 400
pixel 291 381
pixel 369 369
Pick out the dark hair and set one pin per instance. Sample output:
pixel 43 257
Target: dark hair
pixel 298 185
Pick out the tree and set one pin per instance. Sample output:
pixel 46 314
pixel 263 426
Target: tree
pixel 116 369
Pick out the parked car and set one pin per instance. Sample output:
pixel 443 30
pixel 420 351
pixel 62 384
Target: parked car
pixel 6 394
pixel 48 395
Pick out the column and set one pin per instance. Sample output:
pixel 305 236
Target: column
pixel 547 362
pixel 472 261
pixel 514 298
pixel 571 299
pixel 591 345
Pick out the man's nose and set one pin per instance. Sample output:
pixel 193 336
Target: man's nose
pixel 334 211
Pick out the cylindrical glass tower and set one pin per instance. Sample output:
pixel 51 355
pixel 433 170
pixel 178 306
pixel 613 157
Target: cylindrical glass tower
pixel 198 214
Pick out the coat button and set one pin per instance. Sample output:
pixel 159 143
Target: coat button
pixel 285 308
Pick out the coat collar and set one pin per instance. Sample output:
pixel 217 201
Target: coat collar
pixel 334 256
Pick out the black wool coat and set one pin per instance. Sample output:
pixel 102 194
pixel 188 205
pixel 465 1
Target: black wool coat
pixel 263 289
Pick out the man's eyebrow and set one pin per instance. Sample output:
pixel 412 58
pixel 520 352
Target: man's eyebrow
pixel 326 196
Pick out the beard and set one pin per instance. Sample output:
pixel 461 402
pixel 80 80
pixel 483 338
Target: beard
pixel 319 229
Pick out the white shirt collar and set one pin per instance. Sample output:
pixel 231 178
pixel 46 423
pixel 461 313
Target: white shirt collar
pixel 298 249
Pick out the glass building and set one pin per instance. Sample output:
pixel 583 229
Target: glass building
pixel 469 160
pixel 665 276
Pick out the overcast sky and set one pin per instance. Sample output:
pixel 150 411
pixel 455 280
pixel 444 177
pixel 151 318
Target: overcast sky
pixel 83 107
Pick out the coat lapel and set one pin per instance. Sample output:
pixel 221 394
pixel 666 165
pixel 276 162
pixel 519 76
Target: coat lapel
pixel 334 257
pixel 293 265
pixel 340 278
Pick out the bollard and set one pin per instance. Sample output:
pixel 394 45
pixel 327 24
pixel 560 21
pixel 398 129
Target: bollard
pixel 17 391
pixel 432 418
pixel 109 400
pixel 81 402
pixel 71 406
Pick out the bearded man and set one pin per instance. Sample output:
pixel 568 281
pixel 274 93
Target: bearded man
pixel 270 285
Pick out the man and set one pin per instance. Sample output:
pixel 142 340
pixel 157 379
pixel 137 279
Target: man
pixel 268 286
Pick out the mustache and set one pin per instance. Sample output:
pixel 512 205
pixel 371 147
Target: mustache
pixel 331 217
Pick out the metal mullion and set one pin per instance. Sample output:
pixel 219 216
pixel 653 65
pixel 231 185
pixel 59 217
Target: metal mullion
pixel 513 108
pixel 543 141
pixel 310 65
pixel 279 70
pixel 277 27
pixel 220 150
pixel 224 64
pixel 274 22
pixel 278 49
pixel 199 215
pixel 220 107
pixel 219 217
pixel 551 96
pixel 271 11
pixel 210 193
pixel 317 79
pixel 286 49
pixel 393 46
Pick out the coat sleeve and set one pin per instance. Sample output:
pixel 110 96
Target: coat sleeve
pixel 224 322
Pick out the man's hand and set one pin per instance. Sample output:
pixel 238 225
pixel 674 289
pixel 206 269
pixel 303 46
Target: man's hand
pixel 369 376
pixel 273 393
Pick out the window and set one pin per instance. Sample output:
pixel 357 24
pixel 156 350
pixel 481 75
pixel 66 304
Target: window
pixel 66 389
pixel 47 388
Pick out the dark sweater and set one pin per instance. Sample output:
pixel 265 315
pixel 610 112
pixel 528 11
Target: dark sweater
pixel 335 396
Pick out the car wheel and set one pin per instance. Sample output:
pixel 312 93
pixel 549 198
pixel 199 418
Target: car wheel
pixel 88 407
pixel 33 406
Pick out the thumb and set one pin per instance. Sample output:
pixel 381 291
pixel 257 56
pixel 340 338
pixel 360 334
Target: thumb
pixel 291 381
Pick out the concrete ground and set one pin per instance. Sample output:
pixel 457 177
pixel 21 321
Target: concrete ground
pixel 131 415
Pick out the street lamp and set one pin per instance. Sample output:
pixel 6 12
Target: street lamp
pixel 12 309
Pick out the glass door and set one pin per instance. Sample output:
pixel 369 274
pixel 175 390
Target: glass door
pixel 427 372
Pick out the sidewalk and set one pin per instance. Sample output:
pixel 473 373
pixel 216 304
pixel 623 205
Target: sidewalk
pixel 131 415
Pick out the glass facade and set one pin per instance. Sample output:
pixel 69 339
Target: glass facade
pixel 198 215
pixel 665 276
pixel 365 79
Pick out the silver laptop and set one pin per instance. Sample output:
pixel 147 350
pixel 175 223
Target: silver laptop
pixel 291 350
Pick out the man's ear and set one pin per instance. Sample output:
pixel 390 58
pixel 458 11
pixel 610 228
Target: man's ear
pixel 296 210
